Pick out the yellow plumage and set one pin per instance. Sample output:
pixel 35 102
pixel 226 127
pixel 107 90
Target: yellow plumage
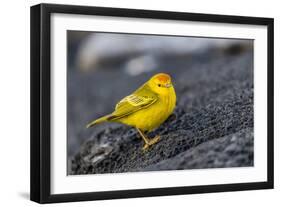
pixel 146 108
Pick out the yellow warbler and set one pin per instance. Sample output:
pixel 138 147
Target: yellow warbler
pixel 146 108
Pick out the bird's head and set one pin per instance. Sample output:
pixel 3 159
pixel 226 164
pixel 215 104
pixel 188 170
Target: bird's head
pixel 161 83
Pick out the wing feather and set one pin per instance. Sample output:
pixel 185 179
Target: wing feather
pixel 140 99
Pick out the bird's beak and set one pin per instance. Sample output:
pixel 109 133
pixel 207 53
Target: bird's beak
pixel 168 85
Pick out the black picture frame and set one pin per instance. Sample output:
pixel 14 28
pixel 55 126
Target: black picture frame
pixel 41 99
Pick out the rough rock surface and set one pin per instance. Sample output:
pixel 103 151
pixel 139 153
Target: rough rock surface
pixel 212 125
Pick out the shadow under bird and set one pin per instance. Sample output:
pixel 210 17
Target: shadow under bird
pixel 146 108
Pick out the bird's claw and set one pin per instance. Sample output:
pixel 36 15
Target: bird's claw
pixel 151 142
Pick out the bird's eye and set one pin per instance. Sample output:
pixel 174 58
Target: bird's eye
pixel 159 85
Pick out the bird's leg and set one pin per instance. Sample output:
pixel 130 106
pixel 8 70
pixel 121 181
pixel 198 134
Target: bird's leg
pixel 148 142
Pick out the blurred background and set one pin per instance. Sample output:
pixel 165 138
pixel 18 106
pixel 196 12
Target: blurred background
pixel 105 67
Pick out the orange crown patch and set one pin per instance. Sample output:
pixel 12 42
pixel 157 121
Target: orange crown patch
pixel 163 77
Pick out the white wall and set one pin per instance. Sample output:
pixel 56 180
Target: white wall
pixel 14 101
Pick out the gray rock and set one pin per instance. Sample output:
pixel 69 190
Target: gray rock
pixel 222 152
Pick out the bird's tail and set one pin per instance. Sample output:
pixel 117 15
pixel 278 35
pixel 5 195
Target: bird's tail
pixel 100 120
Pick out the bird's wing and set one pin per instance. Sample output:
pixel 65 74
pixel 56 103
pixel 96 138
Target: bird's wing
pixel 140 99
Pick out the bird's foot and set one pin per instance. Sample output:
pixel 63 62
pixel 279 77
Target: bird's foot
pixel 151 142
